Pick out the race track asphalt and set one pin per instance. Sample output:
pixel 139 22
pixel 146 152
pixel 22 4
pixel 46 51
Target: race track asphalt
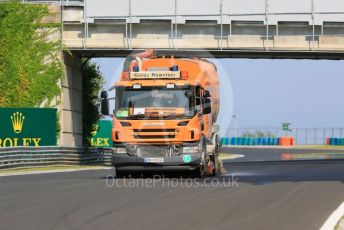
pixel 258 195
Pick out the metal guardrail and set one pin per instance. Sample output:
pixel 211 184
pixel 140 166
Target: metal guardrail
pixel 29 157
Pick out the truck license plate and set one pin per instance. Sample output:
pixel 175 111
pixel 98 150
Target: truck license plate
pixel 154 160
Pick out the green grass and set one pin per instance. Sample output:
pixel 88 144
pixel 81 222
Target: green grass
pixel 47 168
pixel 339 224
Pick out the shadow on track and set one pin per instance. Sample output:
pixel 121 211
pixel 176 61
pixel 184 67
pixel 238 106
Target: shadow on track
pixel 258 173
pixel 296 171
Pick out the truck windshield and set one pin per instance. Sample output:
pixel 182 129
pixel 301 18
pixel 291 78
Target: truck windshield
pixel 150 103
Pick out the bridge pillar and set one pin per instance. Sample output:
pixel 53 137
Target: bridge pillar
pixel 70 109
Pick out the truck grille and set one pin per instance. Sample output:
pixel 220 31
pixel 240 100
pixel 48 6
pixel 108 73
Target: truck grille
pixel 154 136
pixel 154 130
pixel 154 133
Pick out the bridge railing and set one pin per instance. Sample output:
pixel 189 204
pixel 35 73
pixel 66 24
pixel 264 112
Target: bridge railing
pixel 30 157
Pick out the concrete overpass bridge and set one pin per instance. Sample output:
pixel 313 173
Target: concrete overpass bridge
pixel 311 29
pixel 225 28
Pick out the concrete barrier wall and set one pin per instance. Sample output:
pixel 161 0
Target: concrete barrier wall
pixel 335 141
pixel 250 141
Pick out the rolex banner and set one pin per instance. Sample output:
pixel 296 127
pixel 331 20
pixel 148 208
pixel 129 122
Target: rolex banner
pixel 27 127
pixel 101 134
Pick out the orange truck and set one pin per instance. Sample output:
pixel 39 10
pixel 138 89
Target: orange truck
pixel 165 114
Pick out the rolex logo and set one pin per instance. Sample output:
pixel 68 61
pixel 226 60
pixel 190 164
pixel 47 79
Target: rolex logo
pixel 17 122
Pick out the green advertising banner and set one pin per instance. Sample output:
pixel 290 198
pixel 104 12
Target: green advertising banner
pixel 285 126
pixel 101 135
pixel 27 127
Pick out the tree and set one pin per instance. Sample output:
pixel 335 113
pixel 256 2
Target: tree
pixel 92 82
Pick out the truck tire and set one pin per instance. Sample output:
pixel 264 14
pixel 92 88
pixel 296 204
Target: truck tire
pixel 199 172
pixel 214 158
pixel 120 174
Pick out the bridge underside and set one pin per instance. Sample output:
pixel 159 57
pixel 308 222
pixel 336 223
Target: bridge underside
pixel 251 54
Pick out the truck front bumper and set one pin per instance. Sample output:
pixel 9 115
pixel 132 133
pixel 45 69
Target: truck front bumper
pixel 183 162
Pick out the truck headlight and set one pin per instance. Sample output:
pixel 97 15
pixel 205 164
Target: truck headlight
pixel 191 149
pixel 119 150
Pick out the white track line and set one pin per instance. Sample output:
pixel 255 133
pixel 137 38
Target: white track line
pixel 335 217
pixel 231 157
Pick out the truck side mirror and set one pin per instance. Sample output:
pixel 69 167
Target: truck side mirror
pixel 206 93
pixel 206 105
pixel 104 103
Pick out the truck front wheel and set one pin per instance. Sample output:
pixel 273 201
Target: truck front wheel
pixel 199 172
pixel 215 158
pixel 120 174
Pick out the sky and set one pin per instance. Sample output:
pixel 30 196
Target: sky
pixel 264 93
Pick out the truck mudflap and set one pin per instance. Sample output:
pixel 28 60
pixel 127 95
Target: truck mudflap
pixel 125 162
